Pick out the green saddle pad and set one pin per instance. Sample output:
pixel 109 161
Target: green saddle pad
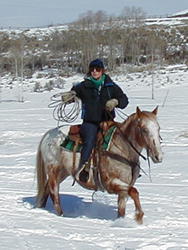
pixel 69 144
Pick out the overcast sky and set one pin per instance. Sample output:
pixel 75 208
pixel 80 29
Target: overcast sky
pixel 29 13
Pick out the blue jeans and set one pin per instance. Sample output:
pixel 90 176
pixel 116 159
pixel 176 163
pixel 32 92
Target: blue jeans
pixel 88 132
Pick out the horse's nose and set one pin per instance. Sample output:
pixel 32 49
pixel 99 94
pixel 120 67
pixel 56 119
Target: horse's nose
pixel 159 157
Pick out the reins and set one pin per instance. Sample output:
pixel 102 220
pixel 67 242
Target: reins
pixel 149 166
pixel 122 159
pixel 130 143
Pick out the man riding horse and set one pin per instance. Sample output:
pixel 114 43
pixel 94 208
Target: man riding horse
pixel 99 96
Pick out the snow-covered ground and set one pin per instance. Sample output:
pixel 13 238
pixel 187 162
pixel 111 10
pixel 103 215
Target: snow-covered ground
pixel 86 224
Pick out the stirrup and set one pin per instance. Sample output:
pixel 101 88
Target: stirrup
pixel 82 174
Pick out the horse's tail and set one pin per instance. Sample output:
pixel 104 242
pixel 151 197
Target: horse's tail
pixel 41 176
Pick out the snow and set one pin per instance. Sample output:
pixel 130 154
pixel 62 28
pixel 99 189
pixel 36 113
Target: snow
pixel 39 32
pixel 174 21
pixel 181 13
pixel 93 224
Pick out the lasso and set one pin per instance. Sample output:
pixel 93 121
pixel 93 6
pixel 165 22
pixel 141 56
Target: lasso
pixel 62 111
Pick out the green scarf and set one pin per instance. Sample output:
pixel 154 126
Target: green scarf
pixel 99 82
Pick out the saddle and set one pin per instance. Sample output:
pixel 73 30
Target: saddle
pixel 74 132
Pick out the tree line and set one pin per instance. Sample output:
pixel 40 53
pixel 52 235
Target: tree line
pixel 116 40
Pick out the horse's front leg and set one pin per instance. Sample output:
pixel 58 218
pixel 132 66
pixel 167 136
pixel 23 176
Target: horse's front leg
pixel 134 194
pixel 122 196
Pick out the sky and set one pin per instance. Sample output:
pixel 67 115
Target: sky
pixel 27 13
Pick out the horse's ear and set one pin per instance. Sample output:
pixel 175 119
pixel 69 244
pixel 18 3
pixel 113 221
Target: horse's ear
pixel 138 111
pixel 155 110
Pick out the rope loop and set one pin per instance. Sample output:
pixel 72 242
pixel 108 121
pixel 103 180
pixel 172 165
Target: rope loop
pixel 65 111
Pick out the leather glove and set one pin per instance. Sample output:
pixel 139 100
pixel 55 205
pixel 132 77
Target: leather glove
pixel 111 104
pixel 68 97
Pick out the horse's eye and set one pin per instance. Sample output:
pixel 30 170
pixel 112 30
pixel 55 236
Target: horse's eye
pixel 144 131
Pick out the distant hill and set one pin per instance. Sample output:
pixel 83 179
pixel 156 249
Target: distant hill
pixel 183 13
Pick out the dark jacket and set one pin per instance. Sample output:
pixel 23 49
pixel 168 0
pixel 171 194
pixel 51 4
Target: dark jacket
pixel 94 99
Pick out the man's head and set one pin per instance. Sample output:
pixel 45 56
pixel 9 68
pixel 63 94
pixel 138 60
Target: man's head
pixel 96 68
pixel 96 63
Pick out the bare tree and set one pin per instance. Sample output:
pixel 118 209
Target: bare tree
pixel 133 16
pixel 17 53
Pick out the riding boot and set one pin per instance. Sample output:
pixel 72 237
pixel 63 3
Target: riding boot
pixel 82 173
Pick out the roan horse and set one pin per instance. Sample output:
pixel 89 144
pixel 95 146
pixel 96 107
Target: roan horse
pixel 118 166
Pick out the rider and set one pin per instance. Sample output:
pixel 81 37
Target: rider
pixel 99 96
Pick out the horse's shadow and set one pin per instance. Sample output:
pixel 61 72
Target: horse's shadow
pixel 74 206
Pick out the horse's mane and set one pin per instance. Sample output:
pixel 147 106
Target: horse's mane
pixel 127 121
pixel 133 118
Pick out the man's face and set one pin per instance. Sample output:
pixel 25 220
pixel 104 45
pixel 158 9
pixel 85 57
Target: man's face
pixel 96 72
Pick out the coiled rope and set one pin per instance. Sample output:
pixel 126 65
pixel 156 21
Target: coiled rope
pixel 65 111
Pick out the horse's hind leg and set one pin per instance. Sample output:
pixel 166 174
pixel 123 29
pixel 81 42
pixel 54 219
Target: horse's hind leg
pixel 43 197
pixel 53 183
pixel 54 193
pixel 134 194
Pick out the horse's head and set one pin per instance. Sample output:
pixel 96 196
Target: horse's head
pixel 148 133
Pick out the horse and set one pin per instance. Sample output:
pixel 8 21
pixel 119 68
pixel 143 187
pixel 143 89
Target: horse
pixel 118 166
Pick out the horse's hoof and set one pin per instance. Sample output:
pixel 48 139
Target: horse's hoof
pixel 121 215
pixel 58 210
pixel 139 218
pixel 60 213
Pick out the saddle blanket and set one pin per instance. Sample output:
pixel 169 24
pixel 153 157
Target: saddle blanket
pixel 68 144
